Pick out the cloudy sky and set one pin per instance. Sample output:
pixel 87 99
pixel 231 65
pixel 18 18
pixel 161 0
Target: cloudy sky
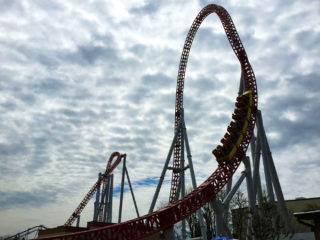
pixel 82 79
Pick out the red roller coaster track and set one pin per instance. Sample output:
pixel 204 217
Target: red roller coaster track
pixel 176 211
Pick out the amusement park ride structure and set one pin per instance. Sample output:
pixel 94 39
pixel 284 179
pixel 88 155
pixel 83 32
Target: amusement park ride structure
pixel 26 233
pixel 229 156
pixel 103 204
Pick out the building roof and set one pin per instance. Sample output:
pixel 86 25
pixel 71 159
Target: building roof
pixel 308 215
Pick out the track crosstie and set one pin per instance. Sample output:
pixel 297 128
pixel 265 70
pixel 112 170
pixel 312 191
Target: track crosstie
pixel 177 210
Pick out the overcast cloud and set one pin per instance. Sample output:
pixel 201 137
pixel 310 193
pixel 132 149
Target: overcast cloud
pixel 80 80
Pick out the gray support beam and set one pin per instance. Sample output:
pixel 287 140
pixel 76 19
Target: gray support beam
pixel 226 229
pixel 230 195
pixel 281 201
pixel 215 204
pixel 165 167
pixel 122 187
pixel 256 154
pixel 189 157
pixel 227 200
pixel 253 146
pixel 131 190
pixel 275 179
pixel 96 203
pixel 259 193
pixel 241 85
pixel 265 157
pixel 256 174
pixel 194 183
pixel 251 199
pixel 229 186
pixel 183 187
pixel 107 191
pixel 226 206
pixel 109 216
pixel 169 233
pixel 78 221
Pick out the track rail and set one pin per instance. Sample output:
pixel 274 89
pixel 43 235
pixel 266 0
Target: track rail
pixel 25 233
pixel 176 211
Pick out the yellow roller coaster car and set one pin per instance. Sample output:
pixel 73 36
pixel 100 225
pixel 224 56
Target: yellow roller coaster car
pixel 236 129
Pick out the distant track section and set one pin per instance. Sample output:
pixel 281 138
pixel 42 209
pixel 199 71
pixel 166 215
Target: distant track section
pixel 176 211
pixel 240 52
pixel 83 203
pixel 24 234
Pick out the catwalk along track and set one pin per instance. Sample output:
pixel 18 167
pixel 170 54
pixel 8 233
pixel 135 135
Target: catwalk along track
pixel 178 210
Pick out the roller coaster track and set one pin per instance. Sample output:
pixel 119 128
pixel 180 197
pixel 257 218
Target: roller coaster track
pixel 178 210
pixel 24 234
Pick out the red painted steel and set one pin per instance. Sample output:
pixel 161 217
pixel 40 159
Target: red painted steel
pixel 239 50
pixel 83 203
pixel 176 211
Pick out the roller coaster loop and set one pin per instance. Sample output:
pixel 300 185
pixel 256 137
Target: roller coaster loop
pixel 176 211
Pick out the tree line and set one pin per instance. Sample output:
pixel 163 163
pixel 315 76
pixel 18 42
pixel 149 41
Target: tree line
pixel 266 223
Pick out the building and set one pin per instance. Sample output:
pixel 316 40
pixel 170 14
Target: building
pixel 298 205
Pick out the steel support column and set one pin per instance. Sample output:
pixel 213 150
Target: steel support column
pixel 274 176
pixel 251 200
pixel 265 158
pixel 252 208
pixel 194 183
pixel 78 221
pixel 109 215
pixel 183 187
pixel 122 187
pixel 96 203
pixel 230 195
pixel 226 206
pixel 169 233
pixel 218 210
pixel 107 191
pixel 133 198
pixel 165 167
pixel 256 153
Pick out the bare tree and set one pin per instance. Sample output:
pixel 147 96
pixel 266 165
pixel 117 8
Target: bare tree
pixel 237 220
pixel 194 225
pixel 193 221
pixel 267 223
pixel 239 209
pixel 209 218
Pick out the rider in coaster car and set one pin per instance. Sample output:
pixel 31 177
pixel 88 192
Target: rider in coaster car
pixel 231 137
pixel 220 151
pixel 215 153
pixel 244 98
pixel 237 117
pixel 241 112
pixel 240 104
pixel 238 123
pixel 233 130
pixel 235 125
pixel 226 146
